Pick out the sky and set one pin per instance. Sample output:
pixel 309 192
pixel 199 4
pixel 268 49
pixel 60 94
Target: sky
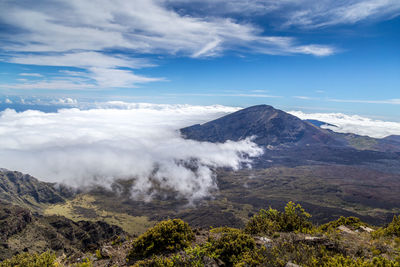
pixel 311 56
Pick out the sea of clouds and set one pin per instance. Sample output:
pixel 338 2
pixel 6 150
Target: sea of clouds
pixel 118 140
pixel 343 123
pixel 98 143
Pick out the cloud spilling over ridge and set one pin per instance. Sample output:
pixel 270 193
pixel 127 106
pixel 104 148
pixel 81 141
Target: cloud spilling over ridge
pixel 140 141
pixel 353 124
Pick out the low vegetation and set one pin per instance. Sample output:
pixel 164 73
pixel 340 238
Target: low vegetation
pixel 45 259
pixel 393 229
pixel 165 237
pixel 293 219
pixel 352 222
pixel 270 238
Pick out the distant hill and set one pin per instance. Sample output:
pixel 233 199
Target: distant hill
pixel 390 143
pixel 270 126
pixel 393 138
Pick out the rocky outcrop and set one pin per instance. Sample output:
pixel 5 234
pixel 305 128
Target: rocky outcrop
pixel 28 192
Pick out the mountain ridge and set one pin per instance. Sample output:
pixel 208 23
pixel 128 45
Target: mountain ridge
pixel 27 191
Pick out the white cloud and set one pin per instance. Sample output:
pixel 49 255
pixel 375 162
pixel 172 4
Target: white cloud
pixel 8 101
pixel 303 97
pixel 106 78
pixel 79 60
pixel 141 141
pixel 67 101
pixel 31 74
pixel 353 124
pixel 101 68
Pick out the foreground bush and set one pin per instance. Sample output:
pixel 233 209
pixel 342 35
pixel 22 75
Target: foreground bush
pixel 197 256
pixel 226 245
pixel 165 237
pixel 46 259
pixel 230 245
pixel 294 218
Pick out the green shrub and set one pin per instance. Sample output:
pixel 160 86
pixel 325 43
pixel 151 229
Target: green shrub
pixel 157 261
pixel 45 259
pixel 394 227
pixel 340 260
pixel 351 221
pixel 252 258
pixel 192 256
pixel 85 263
pixel 165 237
pixel 230 245
pixel 294 218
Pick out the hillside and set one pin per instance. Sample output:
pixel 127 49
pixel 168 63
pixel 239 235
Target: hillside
pixel 27 191
pixel 269 238
pixel 24 231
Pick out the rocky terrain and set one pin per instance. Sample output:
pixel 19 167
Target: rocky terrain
pixel 24 231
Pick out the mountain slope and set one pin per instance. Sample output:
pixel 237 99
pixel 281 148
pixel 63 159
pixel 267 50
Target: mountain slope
pixel 270 126
pixel 26 191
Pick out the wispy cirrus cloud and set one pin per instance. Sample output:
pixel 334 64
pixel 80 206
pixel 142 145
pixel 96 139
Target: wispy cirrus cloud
pixel 31 74
pixel 257 95
pixel 300 13
pixel 85 35
pixel 64 84
pixel 394 101
pixel 330 12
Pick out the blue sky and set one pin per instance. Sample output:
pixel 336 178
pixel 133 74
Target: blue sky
pixel 315 56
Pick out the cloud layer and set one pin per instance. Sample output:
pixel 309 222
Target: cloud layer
pixel 353 124
pixel 140 141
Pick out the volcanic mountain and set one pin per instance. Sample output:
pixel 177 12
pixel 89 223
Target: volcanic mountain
pixel 290 141
pixel 269 126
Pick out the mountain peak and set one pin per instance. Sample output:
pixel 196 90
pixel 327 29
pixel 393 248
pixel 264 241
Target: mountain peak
pixel 270 126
